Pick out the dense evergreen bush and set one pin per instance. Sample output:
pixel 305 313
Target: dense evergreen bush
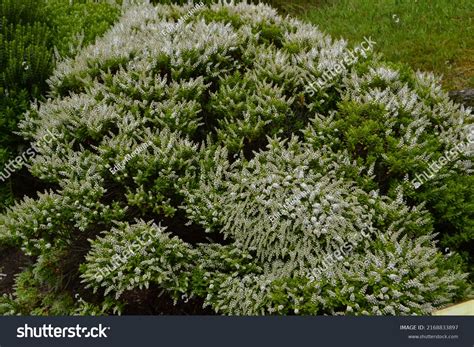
pixel 31 31
pixel 78 23
pixel 26 62
pixel 191 157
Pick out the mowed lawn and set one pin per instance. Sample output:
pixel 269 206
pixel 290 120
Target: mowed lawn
pixel 430 35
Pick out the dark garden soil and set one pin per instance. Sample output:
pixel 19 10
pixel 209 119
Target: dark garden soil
pixel 12 262
pixel 153 302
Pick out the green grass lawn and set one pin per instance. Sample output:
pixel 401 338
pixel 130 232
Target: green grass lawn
pixel 430 35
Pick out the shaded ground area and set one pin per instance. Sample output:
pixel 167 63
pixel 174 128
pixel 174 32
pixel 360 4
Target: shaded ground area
pixel 12 262
pixel 153 302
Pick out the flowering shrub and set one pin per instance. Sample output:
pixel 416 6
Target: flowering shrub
pixel 247 182
pixel 32 32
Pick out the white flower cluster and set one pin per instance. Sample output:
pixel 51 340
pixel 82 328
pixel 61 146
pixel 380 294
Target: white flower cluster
pixel 22 159
pixel 128 157
pixel 349 58
pixel 255 181
pixel 173 27
pixel 134 255
pixel 447 157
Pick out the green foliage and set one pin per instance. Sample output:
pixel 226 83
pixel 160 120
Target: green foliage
pixel 180 2
pixel 427 35
pixel 21 11
pixel 26 58
pixel 25 62
pixel 246 182
pixel 395 152
pixel 140 253
pixel 33 297
pixel 452 204
pixel 78 23
pixel 30 33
